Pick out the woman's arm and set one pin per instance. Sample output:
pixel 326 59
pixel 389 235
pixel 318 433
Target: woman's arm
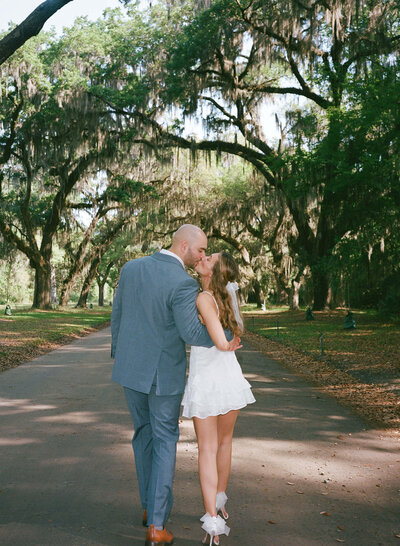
pixel 208 311
pixel 185 315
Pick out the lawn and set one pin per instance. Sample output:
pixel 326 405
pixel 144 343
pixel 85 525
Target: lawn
pixel 361 367
pixel 373 346
pixel 28 333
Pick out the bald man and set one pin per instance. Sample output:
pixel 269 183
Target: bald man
pixel 154 315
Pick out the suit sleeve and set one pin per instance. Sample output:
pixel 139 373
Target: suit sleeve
pixel 186 315
pixel 116 316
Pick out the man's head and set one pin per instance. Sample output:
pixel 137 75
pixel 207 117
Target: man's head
pixel 190 244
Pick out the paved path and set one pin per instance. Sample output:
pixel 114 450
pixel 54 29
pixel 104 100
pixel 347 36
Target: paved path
pixel 305 470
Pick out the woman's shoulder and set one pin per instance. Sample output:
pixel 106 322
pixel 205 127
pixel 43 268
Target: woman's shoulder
pixel 206 299
pixel 205 296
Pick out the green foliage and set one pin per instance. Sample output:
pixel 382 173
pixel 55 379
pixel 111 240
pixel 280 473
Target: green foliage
pixel 118 90
pixel 16 280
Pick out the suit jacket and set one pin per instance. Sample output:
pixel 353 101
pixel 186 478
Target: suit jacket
pixel 154 314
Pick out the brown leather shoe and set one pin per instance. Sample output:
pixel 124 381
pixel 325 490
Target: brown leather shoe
pixel 144 520
pixel 155 537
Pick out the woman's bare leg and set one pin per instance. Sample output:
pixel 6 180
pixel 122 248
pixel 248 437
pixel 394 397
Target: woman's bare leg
pixel 225 427
pixel 207 439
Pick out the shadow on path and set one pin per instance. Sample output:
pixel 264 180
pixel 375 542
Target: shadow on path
pixel 305 470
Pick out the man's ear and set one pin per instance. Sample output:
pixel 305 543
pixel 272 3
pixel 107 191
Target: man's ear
pixel 184 246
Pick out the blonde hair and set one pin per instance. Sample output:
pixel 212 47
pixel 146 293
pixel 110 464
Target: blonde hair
pixel 225 270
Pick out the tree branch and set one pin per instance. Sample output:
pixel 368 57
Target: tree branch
pixel 324 103
pixel 6 152
pixel 31 26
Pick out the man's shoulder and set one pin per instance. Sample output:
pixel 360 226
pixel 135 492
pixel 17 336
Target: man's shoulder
pixel 136 262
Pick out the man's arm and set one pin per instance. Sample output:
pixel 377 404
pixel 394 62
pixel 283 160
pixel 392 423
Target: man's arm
pixel 186 315
pixel 116 315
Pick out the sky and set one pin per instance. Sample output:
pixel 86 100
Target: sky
pixel 18 10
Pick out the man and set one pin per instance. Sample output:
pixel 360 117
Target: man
pixel 154 315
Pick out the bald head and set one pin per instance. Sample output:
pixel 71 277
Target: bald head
pixel 189 242
pixel 187 232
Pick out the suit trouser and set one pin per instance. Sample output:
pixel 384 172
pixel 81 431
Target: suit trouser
pixel 155 420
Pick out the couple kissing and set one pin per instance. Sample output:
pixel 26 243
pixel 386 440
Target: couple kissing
pixel 158 309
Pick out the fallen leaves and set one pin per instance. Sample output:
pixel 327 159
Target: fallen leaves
pixel 30 334
pixel 377 402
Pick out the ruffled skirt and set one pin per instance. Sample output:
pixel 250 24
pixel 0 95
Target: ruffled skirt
pixel 215 385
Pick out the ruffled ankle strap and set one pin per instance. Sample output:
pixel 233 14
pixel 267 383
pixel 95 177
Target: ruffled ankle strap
pixel 214 525
pixel 221 500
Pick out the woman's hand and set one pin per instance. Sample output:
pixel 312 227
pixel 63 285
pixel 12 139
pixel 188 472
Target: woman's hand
pixel 234 344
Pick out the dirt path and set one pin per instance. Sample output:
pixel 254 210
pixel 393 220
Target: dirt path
pixel 305 470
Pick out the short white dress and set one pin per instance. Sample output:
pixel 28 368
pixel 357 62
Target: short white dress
pixel 215 384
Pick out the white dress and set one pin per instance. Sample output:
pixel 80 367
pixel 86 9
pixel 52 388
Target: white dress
pixel 215 384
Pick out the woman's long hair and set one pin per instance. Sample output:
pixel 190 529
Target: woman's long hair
pixel 225 270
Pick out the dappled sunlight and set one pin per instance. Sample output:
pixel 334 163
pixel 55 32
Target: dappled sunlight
pixel 38 366
pixel 273 328
pixel 254 413
pixel 77 417
pixel 12 406
pixel 100 348
pixel 258 378
pixel 338 462
pixel 271 390
pixel 4 442
pixel 64 461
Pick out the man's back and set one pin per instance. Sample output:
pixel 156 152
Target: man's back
pixel 154 314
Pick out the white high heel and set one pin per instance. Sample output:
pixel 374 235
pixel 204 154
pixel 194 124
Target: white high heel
pixel 221 501
pixel 213 526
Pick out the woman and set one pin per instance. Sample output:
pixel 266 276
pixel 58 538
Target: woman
pixel 216 388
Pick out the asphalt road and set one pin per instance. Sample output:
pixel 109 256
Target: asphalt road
pixel 305 470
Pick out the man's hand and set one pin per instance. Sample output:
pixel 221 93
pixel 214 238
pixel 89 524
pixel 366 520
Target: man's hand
pixel 235 344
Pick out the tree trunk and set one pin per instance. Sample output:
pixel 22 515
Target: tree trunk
pixel 101 285
pixel 53 286
pixel 66 293
pixel 294 295
pixel 87 284
pixel 101 281
pixel 42 294
pixel 320 289
pixel 80 258
pixel 259 294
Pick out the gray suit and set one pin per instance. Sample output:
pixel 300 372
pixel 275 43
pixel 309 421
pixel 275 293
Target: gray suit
pixel 154 315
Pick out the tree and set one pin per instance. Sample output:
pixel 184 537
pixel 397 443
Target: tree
pixel 106 236
pixel 117 195
pixel 30 27
pixel 61 139
pixel 234 55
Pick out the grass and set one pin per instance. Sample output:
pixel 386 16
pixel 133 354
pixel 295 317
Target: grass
pixel 373 340
pixel 29 333
pixel 361 367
